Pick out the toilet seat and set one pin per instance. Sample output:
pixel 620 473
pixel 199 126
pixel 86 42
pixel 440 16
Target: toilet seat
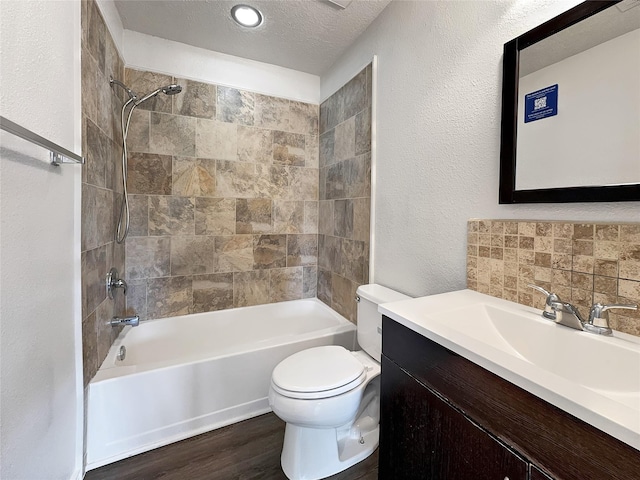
pixel 320 372
pixel 321 393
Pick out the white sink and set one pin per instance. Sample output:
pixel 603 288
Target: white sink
pixel 594 377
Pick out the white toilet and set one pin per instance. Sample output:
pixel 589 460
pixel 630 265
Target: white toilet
pixel 330 397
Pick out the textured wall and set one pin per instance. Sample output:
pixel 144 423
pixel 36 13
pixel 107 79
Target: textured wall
pixel 224 199
pixel 438 134
pixel 101 186
pixel 40 369
pixel 583 263
pixel 345 194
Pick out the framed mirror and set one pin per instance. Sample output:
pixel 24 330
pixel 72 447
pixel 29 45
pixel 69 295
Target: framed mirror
pixel 570 127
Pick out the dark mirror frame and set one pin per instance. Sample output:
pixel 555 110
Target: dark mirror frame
pixel 508 130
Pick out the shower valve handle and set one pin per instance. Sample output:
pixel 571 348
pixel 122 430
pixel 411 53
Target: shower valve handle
pixel 114 282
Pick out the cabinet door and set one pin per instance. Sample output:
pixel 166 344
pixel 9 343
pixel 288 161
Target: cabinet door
pixel 537 474
pixel 423 437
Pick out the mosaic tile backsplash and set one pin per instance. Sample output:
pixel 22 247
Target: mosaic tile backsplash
pixel 583 263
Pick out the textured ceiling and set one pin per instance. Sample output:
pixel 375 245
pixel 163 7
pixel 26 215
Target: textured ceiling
pixel 305 35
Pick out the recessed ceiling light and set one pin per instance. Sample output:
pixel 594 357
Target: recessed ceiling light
pixel 246 16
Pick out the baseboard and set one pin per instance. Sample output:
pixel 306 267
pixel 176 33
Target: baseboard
pixel 77 475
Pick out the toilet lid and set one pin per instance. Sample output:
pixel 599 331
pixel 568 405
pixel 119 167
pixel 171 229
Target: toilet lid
pixel 317 370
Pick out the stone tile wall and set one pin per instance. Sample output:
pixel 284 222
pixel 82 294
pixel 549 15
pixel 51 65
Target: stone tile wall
pixel 223 190
pixel 101 185
pixel 582 263
pixel 345 194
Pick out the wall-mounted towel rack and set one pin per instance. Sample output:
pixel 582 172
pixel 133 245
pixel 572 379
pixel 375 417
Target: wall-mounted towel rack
pixel 59 155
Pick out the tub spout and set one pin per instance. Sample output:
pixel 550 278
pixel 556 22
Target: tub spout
pixel 118 321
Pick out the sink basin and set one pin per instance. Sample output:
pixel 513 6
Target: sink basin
pixel 595 378
pixel 609 367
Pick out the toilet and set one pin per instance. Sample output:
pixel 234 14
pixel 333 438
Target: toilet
pixel 329 397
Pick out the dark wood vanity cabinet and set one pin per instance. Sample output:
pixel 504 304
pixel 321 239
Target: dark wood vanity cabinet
pixel 445 418
pixel 426 438
pixel 536 474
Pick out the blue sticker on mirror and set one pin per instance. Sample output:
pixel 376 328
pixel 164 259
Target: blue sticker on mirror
pixel 541 104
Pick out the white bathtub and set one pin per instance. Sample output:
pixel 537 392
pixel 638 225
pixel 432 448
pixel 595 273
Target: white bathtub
pixel 183 376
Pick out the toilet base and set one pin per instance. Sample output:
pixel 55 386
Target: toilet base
pixel 315 453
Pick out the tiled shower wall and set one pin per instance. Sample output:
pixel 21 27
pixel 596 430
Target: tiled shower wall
pixel 101 186
pixel 223 188
pixel 345 194
pixel 582 263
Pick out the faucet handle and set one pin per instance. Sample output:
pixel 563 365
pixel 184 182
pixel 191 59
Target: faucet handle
pixel 598 311
pixel 541 290
pixel 113 282
pixel 551 305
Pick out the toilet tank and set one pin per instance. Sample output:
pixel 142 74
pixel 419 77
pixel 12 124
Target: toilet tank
pixel 369 319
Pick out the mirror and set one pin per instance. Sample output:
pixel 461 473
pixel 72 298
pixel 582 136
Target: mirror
pixel 571 108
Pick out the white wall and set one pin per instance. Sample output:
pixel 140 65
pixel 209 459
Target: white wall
pixel 41 370
pixel 145 52
pixel 438 133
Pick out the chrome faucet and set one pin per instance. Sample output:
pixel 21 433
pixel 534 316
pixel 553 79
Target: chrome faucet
pixel 114 282
pixel 550 305
pixel 600 313
pixel 568 315
pixel 122 321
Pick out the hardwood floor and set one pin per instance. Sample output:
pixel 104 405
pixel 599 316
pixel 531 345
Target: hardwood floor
pixel 243 451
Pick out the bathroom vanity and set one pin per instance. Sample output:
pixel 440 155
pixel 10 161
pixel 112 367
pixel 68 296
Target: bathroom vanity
pixel 445 417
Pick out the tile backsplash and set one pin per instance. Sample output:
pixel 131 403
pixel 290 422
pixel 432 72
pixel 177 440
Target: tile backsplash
pixel 583 263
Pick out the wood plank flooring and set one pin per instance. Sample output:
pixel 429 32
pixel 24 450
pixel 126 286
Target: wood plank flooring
pixel 243 451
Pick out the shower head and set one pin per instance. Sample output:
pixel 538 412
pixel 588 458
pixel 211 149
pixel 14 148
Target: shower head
pixel 172 89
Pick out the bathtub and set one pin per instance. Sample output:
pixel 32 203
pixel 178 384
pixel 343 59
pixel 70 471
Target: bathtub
pixel 183 376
